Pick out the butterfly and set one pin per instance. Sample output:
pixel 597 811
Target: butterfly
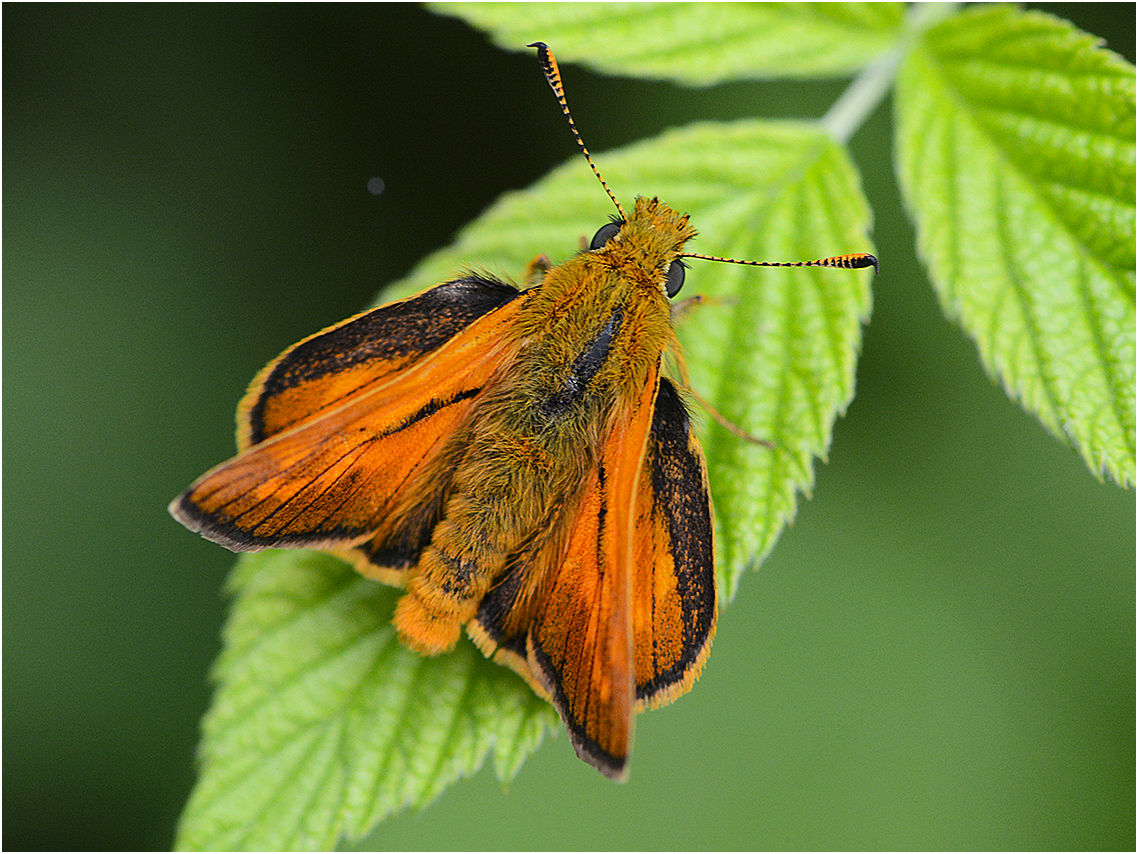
pixel 516 459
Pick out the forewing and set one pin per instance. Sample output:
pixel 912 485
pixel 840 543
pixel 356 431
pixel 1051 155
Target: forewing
pixel 327 370
pixel 331 480
pixel 580 646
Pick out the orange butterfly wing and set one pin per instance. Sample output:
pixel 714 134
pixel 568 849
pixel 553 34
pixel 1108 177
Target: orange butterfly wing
pixel 617 612
pixel 673 582
pixel 342 452
pixel 333 366
pixel 580 644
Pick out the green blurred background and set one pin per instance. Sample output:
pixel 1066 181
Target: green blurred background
pixel 938 654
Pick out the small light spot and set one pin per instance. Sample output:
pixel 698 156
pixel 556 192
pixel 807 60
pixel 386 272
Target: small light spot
pixel 375 185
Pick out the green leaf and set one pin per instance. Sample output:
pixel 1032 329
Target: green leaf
pixel 323 724
pixel 775 349
pixel 1015 139
pixel 695 43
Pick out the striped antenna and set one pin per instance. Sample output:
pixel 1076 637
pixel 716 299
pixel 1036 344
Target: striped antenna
pixel 856 261
pixel 553 76
pixel 552 73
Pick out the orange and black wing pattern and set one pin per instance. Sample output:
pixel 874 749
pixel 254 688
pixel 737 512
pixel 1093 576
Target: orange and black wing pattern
pixel 673 578
pixel 616 610
pixel 327 369
pixel 334 448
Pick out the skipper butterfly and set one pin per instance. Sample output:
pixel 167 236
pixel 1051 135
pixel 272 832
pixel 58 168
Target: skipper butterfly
pixel 516 459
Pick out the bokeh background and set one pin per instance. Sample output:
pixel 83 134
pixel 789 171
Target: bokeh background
pixel 938 654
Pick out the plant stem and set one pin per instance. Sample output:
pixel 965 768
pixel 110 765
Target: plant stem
pixel 862 96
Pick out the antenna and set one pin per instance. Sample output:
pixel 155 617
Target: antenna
pixel 553 76
pixel 552 73
pixel 856 261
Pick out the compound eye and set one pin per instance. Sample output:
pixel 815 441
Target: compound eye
pixel 605 233
pixel 675 278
